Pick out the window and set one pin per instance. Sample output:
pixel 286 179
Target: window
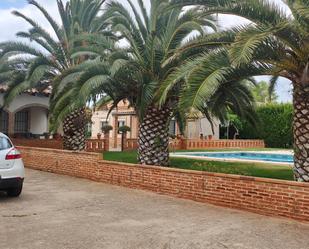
pixel 21 122
pixel 103 123
pixel 4 117
pixel 5 143
pixel 172 127
pixel 121 123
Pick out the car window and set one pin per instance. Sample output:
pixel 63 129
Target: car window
pixel 5 143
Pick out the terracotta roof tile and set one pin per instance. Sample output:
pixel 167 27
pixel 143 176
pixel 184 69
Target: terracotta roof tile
pixel 33 91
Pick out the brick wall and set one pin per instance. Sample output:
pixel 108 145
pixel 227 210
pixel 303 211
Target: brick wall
pixel 259 195
pixel 100 145
pixel 92 145
pixel 77 164
pixel 42 143
pixel 193 144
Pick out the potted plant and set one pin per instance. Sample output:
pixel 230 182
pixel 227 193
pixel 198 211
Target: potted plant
pixel 106 128
pixel 57 136
pixel 99 135
pixel 172 136
pixel 46 135
pixel 123 131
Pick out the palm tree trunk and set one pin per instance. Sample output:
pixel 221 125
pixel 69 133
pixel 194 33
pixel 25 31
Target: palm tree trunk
pixel 153 138
pixel 301 132
pixel 74 130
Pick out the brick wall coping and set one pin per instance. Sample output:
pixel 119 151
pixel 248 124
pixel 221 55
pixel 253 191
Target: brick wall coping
pixel 61 151
pixel 197 172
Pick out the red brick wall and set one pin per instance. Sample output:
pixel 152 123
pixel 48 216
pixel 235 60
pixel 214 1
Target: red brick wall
pixel 78 164
pixel 193 144
pixel 41 143
pixel 92 145
pixel 259 195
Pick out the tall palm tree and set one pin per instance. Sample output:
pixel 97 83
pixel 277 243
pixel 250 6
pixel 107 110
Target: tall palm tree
pixel 279 40
pixel 137 71
pixel 48 55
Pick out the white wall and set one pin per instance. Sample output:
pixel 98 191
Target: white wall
pixel 202 126
pixel 97 118
pixel 38 110
pixel 26 100
pixel 38 120
pixel 206 128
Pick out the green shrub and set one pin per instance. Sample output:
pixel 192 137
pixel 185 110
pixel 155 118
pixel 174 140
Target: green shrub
pixel 106 128
pixel 124 129
pixel 274 126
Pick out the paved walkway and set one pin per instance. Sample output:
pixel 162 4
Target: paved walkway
pixel 61 212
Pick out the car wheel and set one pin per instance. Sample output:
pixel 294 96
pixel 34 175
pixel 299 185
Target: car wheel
pixel 15 192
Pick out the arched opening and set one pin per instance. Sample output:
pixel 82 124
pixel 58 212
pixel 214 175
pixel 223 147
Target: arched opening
pixel 31 122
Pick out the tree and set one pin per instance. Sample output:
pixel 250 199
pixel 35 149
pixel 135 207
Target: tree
pixel 135 72
pixel 40 63
pixel 261 93
pixel 140 73
pixel 279 41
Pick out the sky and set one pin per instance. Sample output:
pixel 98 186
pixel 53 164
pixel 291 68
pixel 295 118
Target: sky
pixel 10 25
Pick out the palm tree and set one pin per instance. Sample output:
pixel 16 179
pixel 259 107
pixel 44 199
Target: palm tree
pixel 261 93
pixel 134 71
pixel 49 55
pixel 138 71
pixel 279 40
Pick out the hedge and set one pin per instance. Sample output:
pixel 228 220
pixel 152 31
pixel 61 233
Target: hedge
pixel 274 125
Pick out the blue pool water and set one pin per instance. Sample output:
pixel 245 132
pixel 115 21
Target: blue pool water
pixel 283 158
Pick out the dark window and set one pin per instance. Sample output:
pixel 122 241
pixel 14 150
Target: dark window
pixel 103 124
pixel 21 122
pixel 4 120
pixel 5 143
pixel 172 127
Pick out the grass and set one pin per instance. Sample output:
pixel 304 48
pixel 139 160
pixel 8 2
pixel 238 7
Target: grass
pixel 283 172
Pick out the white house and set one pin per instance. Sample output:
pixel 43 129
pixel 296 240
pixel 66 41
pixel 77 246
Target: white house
pixel 26 115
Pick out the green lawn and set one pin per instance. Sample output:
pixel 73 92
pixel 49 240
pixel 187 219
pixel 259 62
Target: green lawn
pixel 248 169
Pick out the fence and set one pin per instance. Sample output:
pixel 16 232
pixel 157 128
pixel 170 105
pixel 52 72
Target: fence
pixel 130 144
pixel 193 144
pixel 97 145
pixel 100 145
pixel 92 145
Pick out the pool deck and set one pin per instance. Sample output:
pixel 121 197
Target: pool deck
pixel 191 155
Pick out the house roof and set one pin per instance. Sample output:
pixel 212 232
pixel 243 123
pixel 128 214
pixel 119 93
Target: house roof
pixel 46 91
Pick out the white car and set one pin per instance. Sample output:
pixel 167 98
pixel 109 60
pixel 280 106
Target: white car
pixel 12 171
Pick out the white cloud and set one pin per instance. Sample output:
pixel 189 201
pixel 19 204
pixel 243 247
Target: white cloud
pixel 10 24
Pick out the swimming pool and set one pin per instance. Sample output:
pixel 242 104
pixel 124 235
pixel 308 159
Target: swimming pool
pixel 246 156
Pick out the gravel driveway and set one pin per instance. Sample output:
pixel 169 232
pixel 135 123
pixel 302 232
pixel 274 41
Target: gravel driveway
pixel 63 212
